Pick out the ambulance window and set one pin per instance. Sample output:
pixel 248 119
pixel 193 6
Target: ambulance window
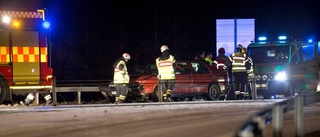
pixel 307 52
pixel 319 52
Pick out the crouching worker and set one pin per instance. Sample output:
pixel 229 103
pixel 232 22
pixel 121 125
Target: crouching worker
pixel 121 78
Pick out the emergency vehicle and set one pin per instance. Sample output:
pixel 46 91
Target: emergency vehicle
pixel 283 66
pixel 24 62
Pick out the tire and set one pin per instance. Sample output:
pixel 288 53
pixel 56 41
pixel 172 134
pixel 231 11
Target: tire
pixel 4 89
pixel 214 92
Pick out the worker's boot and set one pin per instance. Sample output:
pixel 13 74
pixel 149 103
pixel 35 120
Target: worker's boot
pixel 48 100
pixel 164 97
pixel 168 96
pixel 122 99
pixel 28 99
pixel 117 101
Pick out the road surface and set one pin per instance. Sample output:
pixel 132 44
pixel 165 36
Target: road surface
pixel 189 119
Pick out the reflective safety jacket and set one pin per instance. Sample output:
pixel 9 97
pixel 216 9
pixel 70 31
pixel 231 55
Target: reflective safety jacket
pixel 238 60
pixel 249 66
pixel 165 68
pixel 221 62
pixel 208 60
pixel 121 75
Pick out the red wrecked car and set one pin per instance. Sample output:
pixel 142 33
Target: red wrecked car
pixel 194 78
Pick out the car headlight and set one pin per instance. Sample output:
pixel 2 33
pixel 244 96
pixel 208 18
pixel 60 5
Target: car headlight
pixel 281 76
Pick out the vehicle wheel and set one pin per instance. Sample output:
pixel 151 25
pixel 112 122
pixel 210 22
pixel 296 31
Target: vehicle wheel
pixel 214 92
pixel 4 88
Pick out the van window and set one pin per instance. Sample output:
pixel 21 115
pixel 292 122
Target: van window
pixel 304 53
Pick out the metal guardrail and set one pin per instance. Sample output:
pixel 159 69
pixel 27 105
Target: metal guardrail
pixel 254 127
pixel 76 86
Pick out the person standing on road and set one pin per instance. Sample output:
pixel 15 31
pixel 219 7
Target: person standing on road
pixel 121 78
pixel 239 70
pixel 166 74
pixel 249 67
pixel 221 62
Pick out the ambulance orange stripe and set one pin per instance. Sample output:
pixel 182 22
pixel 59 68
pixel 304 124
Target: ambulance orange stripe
pixel 31 50
pixel 25 58
pixel 23 54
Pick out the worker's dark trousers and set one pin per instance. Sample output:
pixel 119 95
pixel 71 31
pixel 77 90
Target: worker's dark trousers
pixel 166 85
pixel 240 80
pixel 121 91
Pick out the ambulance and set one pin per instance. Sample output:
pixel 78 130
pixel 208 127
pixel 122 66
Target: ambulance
pixel 24 62
pixel 284 66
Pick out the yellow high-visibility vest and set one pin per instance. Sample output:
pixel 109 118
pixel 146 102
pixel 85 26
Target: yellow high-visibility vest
pixel 165 68
pixel 121 76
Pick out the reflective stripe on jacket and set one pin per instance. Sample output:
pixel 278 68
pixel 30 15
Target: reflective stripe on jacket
pixel 121 76
pixel 165 68
pixel 221 62
pixel 238 60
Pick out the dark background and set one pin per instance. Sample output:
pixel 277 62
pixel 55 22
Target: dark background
pixel 87 36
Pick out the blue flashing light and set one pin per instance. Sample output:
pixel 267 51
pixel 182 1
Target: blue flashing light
pixel 262 38
pixel 310 40
pixel 282 37
pixel 46 25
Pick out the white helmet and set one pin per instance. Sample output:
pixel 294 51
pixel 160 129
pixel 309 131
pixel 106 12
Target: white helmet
pixel 126 56
pixel 163 48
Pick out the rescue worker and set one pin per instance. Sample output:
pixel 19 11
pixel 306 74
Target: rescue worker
pixel 30 97
pixel 249 67
pixel 249 64
pixel 208 58
pixel 166 74
pixel 239 70
pixel 121 78
pixel 221 62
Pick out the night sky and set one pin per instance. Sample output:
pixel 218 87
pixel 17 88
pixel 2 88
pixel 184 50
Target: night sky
pixel 87 36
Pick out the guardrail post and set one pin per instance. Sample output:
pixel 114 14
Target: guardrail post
pixel 79 97
pixel 253 89
pixel 160 88
pixel 277 120
pixel 37 98
pixel 54 93
pixel 298 115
